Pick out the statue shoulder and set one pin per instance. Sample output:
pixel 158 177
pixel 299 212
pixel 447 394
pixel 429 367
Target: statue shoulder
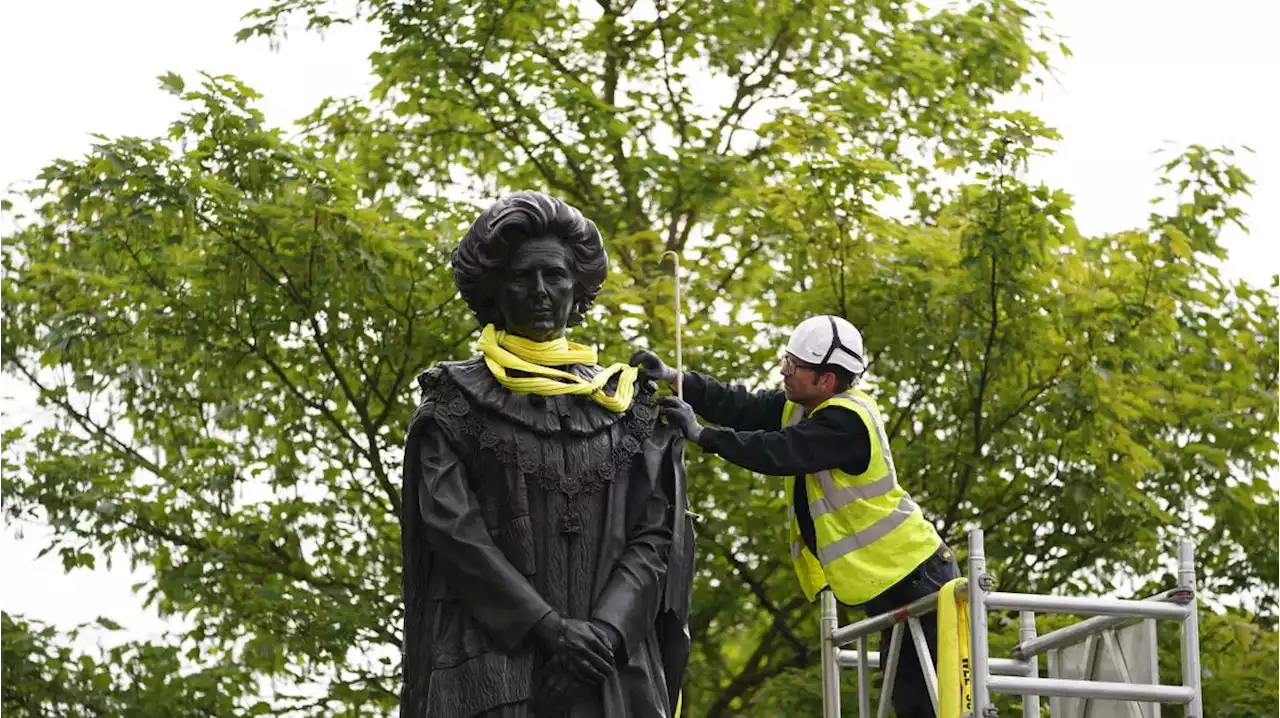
pixel 644 407
pixel 432 383
pixel 638 424
pixel 441 400
pixel 441 381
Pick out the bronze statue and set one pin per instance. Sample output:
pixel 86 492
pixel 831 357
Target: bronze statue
pixel 547 554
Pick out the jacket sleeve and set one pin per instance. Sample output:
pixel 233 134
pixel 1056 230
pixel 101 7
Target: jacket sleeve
pixel 734 405
pixel 834 438
pixel 477 572
pixel 634 591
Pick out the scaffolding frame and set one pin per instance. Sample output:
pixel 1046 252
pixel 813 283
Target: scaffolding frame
pixel 1020 674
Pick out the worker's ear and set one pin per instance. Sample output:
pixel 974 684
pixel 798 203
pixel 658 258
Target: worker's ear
pixel 829 381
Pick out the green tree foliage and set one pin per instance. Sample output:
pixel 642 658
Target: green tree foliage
pixel 44 677
pixel 240 319
pixel 226 321
pixel 1239 655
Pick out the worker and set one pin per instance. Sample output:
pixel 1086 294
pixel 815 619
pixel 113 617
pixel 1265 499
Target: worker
pixel 853 529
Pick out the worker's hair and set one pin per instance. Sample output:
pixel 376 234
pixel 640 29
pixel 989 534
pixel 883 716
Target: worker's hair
pixel 481 256
pixel 844 377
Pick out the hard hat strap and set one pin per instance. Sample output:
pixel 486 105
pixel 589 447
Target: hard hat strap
pixel 837 344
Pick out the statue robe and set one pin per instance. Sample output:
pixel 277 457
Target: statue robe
pixel 516 505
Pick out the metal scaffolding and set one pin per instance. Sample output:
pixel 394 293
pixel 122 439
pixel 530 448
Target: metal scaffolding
pixel 1019 674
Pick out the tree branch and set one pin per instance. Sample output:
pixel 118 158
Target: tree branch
pixel 728 276
pixel 83 420
pixel 1036 393
pixel 371 452
pixel 774 54
pixel 613 59
pixel 919 393
pixel 749 680
pixel 283 568
pixel 966 473
pixel 758 590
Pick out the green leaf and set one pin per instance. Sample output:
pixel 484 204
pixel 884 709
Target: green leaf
pixel 172 82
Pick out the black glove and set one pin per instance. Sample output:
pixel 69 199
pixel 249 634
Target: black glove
pixel 678 413
pixel 584 648
pixel 651 367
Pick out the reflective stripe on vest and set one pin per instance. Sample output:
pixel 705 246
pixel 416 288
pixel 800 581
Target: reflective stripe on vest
pixel 834 498
pixel 884 438
pixel 796 546
pixel 840 498
pixel 833 551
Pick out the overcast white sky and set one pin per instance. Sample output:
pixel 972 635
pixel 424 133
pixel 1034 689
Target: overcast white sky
pixel 1146 75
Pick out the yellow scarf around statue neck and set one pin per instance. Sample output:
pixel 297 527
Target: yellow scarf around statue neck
pixel 503 351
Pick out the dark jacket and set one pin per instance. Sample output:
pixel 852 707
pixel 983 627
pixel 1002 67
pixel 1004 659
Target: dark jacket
pixel 753 437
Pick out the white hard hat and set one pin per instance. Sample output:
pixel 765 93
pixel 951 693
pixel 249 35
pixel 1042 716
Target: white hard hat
pixel 828 339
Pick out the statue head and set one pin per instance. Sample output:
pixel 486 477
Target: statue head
pixel 531 265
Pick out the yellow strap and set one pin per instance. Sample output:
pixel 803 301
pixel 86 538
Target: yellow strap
pixel 504 351
pixel 955 675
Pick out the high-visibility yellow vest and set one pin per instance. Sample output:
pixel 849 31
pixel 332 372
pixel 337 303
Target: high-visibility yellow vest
pixel 869 532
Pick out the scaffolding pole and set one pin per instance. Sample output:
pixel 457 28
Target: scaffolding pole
pixel 1019 674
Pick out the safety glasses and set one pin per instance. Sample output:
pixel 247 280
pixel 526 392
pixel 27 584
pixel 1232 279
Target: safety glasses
pixel 791 365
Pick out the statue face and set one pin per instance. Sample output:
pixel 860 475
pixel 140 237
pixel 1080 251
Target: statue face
pixel 536 297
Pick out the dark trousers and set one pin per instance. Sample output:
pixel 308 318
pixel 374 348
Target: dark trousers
pixel 910 693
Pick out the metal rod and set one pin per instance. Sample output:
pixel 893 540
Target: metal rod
pixel 1026 632
pixel 998 666
pixel 679 326
pixel 1090 670
pixel 864 680
pixel 1084 605
pixel 978 622
pixel 1111 647
pixel 849 659
pixel 1102 690
pixel 844 635
pixel 1071 635
pixel 1150 659
pixel 926 660
pixel 830 668
pixel 1190 630
pixel 890 671
pixel 1056 708
pixel 1007 667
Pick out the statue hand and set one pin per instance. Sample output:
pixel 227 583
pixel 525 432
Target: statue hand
pixel 678 413
pixel 587 651
pixel 584 648
pixel 652 367
pixel 609 635
pixel 553 696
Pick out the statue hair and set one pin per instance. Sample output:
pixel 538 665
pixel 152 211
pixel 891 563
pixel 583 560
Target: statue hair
pixel 481 256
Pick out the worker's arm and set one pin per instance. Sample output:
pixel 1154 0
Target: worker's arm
pixel 733 405
pixel 832 438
